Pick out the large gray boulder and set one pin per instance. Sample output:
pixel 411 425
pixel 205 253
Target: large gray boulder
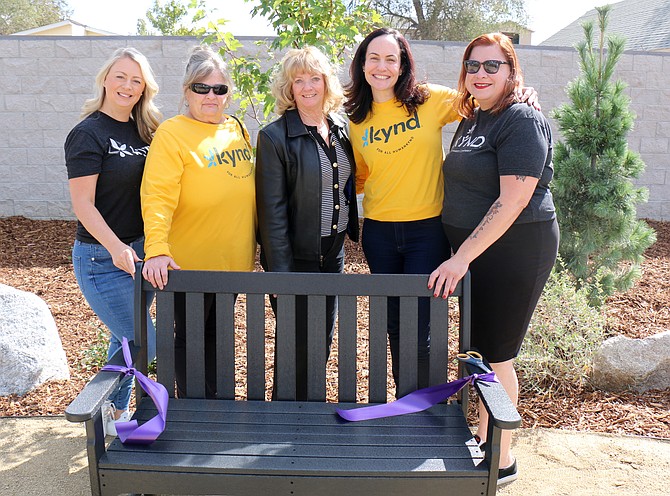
pixel 623 363
pixel 31 351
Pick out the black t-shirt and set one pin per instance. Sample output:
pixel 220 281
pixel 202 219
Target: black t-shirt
pixel 115 152
pixel 515 142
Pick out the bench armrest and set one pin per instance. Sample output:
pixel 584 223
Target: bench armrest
pixel 95 392
pixel 496 401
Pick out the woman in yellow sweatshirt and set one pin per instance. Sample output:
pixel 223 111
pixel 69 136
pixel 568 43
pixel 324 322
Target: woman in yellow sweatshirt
pixel 198 193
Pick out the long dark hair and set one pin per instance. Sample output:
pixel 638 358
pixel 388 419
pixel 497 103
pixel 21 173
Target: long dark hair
pixel 358 93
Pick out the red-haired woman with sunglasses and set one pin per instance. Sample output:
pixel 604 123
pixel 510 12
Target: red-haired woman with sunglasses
pixel 198 193
pixel 498 211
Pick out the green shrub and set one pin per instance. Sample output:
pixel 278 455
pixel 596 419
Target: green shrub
pixel 95 357
pixel 564 333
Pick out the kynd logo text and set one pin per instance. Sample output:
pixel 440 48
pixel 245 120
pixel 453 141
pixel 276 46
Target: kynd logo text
pixel 228 157
pixel 373 135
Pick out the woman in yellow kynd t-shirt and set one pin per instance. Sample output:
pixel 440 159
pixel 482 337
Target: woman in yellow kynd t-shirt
pixel 396 133
pixel 198 195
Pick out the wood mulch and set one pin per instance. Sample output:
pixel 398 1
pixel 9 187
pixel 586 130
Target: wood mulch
pixel 35 257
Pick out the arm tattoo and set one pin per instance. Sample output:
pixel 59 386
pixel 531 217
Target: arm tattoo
pixel 521 178
pixel 494 210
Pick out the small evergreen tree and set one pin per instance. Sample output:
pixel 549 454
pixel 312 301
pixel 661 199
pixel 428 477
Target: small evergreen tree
pixel 602 241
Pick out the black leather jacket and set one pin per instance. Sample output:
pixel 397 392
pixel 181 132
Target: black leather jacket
pixel 288 191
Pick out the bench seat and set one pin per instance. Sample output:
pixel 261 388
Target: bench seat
pixel 230 442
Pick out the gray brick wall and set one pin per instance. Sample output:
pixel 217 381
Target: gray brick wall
pixel 45 80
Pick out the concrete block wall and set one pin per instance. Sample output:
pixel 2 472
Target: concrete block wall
pixel 45 80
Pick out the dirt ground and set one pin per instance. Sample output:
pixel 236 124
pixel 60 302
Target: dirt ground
pixel 35 257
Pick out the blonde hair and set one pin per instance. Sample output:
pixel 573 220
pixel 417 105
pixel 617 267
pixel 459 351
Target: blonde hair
pixel 202 62
pixel 308 60
pixel 145 113
pixel 464 103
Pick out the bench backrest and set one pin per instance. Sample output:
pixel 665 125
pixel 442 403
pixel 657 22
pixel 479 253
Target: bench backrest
pixel 353 314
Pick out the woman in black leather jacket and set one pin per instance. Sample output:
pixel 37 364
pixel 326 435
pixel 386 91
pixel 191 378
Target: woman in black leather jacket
pixel 305 192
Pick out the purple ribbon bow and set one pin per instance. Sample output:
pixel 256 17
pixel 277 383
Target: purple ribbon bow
pixel 416 401
pixel 131 432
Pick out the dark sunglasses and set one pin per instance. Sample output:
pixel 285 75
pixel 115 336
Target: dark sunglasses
pixel 203 89
pixel 490 66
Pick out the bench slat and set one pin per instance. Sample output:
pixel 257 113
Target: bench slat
pixel 197 405
pixel 439 343
pixel 300 283
pixel 377 350
pixel 285 347
pixel 225 346
pixel 255 352
pixel 165 341
pixel 195 345
pixel 316 347
pixel 259 447
pixel 346 349
pixel 281 463
pixel 409 321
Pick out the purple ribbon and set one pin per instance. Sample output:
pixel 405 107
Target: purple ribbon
pixel 131 432
pixel 416 401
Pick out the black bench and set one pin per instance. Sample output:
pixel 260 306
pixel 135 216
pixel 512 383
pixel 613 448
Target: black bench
pixel 250 446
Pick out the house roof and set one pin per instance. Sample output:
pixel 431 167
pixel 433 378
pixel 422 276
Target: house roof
pixel 644 23
pixel 67 27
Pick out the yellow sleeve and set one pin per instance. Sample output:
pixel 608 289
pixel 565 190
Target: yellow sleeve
pixel 362 171
pixel 160 190
pixel 447 108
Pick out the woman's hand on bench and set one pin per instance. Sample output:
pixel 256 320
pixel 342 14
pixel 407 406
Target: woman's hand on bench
pixel 156 270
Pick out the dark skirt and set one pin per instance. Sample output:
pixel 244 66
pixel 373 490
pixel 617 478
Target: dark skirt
pixel 507 281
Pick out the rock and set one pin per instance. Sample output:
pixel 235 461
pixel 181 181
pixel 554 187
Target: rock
pixel 31 351
pixel 623 363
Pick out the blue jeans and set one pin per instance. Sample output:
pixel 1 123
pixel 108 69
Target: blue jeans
pixel 413 247
pixel 109 292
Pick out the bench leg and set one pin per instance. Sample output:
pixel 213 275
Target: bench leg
pixel 95 448
pixel 494 434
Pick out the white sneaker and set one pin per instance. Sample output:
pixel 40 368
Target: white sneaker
pixel 108 410
pixel 109 419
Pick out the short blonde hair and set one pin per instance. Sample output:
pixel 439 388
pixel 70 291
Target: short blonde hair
pixel 145 113
pixel 202 62
pixel 308 60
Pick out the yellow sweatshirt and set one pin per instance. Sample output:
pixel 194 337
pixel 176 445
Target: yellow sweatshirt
pixel 198 195
pixel 399 157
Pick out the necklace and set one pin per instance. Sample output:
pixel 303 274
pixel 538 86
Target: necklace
pixel 320 122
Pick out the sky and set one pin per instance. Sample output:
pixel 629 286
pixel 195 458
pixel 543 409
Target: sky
pixel 120 16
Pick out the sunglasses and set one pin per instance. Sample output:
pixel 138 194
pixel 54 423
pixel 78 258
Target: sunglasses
pixel 490 66
pixel 203 89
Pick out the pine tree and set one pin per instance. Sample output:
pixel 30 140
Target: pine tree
pixel 602 241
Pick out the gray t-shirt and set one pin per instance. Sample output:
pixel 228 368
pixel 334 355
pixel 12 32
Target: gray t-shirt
pixel 515 142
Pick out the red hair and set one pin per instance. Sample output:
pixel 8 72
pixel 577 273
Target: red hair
pixel 465 102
